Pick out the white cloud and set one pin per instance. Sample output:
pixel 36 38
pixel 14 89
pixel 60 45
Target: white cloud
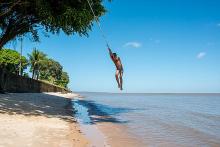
pixel 132 44
pixel 201 55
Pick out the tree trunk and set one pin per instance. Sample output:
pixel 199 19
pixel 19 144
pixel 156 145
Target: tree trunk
pixel 37 75
pixel 7 36
pixel 22 72
pixel 3 41
pixel 13 29
pixel 3 79
pixel 33 73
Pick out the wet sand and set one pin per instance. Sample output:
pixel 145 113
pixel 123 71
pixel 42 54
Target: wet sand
pixel 33 119
pixel 117 135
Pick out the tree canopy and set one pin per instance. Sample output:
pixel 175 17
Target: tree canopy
pixel 10 60
pixel 41 66
pixel 64 80
pixel 47 69
pixel 36 60
pixel 21 17
pixel 52 71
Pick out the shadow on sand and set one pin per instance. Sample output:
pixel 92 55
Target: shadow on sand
pixel 36 104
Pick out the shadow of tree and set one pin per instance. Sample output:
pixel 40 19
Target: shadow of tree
pixel 99 113
pixel 36 104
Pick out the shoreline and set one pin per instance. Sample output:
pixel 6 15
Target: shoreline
pixel 93 121
pixel 90 130
pixel 39 119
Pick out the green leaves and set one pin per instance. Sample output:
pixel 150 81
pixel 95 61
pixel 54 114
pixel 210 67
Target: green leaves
pixel 10 60
pixel 22 17
pixel 8 56
pixel 36 59
pixel 41 66
pixel 64 80
pixel 47 69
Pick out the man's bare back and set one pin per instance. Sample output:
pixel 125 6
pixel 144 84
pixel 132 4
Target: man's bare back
pixel 119 68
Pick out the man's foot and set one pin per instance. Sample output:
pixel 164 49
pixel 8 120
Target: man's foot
pixel 121 88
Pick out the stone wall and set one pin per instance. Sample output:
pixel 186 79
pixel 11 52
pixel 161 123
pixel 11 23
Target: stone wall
pixel 14 83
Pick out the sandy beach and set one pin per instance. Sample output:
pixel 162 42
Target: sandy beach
pixel 38 119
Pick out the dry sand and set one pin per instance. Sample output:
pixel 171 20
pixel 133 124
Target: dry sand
pixel 34 119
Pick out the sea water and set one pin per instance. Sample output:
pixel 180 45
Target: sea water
pixel 157 119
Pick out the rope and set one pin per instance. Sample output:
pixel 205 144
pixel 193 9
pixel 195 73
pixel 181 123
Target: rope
pixel 99 25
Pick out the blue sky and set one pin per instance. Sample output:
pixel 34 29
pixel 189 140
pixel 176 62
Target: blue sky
pixel 165 46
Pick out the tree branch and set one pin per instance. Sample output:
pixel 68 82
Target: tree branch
pixel 11 7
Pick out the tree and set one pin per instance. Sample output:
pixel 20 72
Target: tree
pixel 10 61
pixel 64 80
pixel 51 70
pixel 55 70
pixel 23 17
pixel 36 59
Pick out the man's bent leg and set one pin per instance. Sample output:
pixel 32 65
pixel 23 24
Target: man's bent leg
pixel 116 77
pixel 121 80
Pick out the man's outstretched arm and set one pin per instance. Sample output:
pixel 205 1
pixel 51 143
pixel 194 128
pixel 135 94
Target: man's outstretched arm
pixel 110 53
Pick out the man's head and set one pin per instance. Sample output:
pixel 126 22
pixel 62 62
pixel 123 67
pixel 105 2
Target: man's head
pixel 115 55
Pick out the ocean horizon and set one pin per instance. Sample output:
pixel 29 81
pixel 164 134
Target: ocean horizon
pixel 104 92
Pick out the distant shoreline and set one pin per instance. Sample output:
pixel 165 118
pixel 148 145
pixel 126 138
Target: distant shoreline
pixel 150 93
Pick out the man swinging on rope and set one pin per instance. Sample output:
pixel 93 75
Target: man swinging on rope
pixel 115 59
pixel 119 68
